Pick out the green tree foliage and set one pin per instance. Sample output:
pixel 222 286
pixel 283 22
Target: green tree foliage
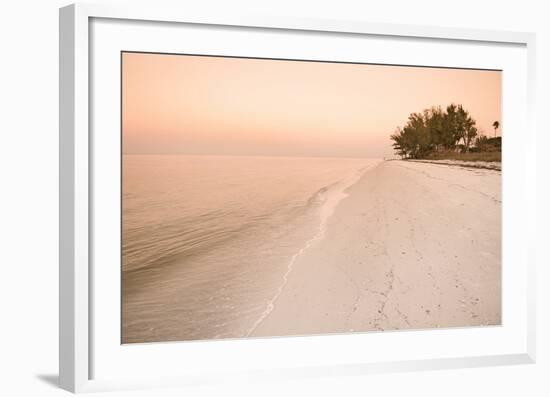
pixel 486 144
pixel 435 130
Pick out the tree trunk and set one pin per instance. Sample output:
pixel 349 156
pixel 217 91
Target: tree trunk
pixel 466 144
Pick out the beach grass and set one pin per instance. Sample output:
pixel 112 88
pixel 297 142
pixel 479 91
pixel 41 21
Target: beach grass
pixel 472 156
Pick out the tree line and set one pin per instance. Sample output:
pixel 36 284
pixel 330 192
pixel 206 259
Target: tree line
pixel 440 130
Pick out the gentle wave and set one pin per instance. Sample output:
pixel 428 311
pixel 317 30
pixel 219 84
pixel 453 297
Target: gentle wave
pixel 331 200
pixel 209 243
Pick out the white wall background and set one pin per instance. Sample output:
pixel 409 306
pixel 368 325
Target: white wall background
pixel 29 183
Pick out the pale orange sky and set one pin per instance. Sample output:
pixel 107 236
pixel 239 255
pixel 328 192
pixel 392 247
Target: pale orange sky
pixel 235 106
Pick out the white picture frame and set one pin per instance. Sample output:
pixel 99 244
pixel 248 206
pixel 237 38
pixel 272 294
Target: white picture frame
pixel 79 357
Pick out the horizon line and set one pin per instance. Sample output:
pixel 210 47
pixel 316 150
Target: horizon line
pixel 246 155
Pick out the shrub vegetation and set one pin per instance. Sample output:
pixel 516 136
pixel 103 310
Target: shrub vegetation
pixel 445 134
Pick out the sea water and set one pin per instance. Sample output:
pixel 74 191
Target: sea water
pixel 208 242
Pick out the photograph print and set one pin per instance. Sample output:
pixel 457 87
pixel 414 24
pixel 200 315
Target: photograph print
pixel 270 197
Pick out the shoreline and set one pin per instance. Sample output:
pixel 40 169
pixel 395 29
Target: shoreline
pixel 326 212
pixel 430 261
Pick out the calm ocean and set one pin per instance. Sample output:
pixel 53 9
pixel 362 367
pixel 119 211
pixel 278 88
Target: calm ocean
pixel 208 241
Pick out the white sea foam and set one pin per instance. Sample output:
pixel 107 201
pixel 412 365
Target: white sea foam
pixel 334 196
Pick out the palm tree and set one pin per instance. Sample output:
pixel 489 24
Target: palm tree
pixel 496 124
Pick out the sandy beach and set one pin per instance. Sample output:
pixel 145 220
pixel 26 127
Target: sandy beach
pixel 413 246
